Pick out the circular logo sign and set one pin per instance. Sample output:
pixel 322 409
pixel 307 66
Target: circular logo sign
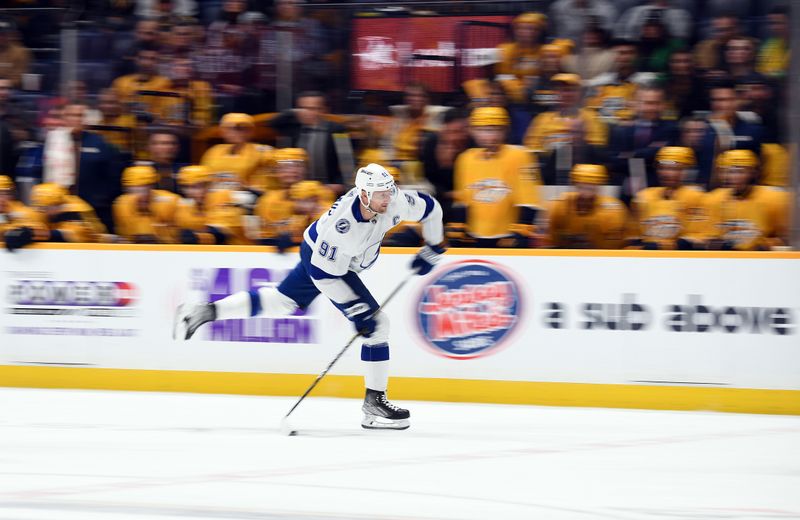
pixel 469 309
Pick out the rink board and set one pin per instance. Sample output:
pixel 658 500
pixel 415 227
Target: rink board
pixel 662 330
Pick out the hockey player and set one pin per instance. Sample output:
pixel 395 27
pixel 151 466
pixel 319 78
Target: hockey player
pixel 584 219
pixel 496 186
pixel 336 247
pixel 57 217
pixel 744 215
pixel 13 213
pixel 286 212
pixel 207 216
pixel 671 216
pixel 144 215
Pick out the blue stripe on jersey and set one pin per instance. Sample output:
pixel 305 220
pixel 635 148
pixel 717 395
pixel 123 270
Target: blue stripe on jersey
pixel 312 232
pixel 379 352
pixel 255 303
pixel 317 273
pixel 428 204
pixel 305 258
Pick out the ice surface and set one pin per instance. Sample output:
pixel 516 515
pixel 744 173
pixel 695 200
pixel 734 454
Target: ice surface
pixel 83 455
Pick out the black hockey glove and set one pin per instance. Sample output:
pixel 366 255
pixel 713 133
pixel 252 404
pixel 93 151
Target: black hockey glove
pixel 187 236
pixel 426 258
pixel 362 314
pixel 283 242
pixel 18 238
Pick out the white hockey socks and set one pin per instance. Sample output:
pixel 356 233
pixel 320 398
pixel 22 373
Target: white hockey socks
pixel 376 371
pixel 264 300
pixel 237 305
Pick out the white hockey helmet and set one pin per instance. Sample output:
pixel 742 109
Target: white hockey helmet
pixel 374 177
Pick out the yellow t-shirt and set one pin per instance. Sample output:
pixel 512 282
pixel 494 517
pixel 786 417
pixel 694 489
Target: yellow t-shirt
pixel 76 221
pixel 279 212
pixel 773 58
pixel 252 164
pixel 549 129
pixel 494 187
pixel 664 220
pixel 156 221
pixel 127 88
pixel 614 101
pixel 195 104
pixel 515 64
pixel 17 215
pixel 603 227
pixel 759 220
pixel 219 211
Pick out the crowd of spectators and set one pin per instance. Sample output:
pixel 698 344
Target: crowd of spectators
pixel 651 124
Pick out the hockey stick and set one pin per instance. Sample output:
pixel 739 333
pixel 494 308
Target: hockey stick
pixel 285 426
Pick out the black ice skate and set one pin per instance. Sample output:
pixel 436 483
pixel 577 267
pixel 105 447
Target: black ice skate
pixel 188 319
pixel 380 414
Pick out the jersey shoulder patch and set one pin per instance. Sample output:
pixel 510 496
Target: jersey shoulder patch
pixel 411 201
pixel 342 225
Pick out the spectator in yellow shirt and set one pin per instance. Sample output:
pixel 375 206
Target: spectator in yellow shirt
pixel 566 135
pixel 286 212
pixel 744 215
pixel 248 162
pixel 584 219
pixel 207 216
pixel 13 213
pixel 15 58
pixel 128 88
pixel 518 63
pixel 672 215
pixel 57 217
pixel 145 215
pixel 496 187
pixel 193 104
pixel 773 58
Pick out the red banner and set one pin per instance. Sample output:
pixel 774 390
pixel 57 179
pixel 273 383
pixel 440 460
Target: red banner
pixel 390 52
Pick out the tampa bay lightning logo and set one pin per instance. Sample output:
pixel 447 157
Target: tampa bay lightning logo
pixel 343 225
pixel 469 309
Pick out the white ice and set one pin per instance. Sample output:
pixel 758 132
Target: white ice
pixel 83 455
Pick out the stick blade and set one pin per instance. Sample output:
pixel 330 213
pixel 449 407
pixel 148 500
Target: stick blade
pixel 287 428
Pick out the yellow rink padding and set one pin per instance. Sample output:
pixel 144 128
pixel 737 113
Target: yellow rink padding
pixel 742 400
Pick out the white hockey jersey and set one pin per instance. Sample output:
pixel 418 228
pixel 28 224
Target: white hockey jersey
pixel 342 240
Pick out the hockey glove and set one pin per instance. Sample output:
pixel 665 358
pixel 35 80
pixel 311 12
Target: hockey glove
pixel 283 242
pixel 426 258
pixel 18 238
pixel 187 236
pixel 361 314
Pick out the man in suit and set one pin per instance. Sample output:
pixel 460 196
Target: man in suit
pixel 633 144
pixel 80 161
pixel 323 140
pixel 726 130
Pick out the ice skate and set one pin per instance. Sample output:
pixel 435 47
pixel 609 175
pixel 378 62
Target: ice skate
pixel 189 317
pixel 380 414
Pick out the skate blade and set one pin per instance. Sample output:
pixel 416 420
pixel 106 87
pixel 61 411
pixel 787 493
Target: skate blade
pixel 180 331
pixel 178 328
pixel 374 422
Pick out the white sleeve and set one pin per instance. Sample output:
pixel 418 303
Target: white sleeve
pixel 423 208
